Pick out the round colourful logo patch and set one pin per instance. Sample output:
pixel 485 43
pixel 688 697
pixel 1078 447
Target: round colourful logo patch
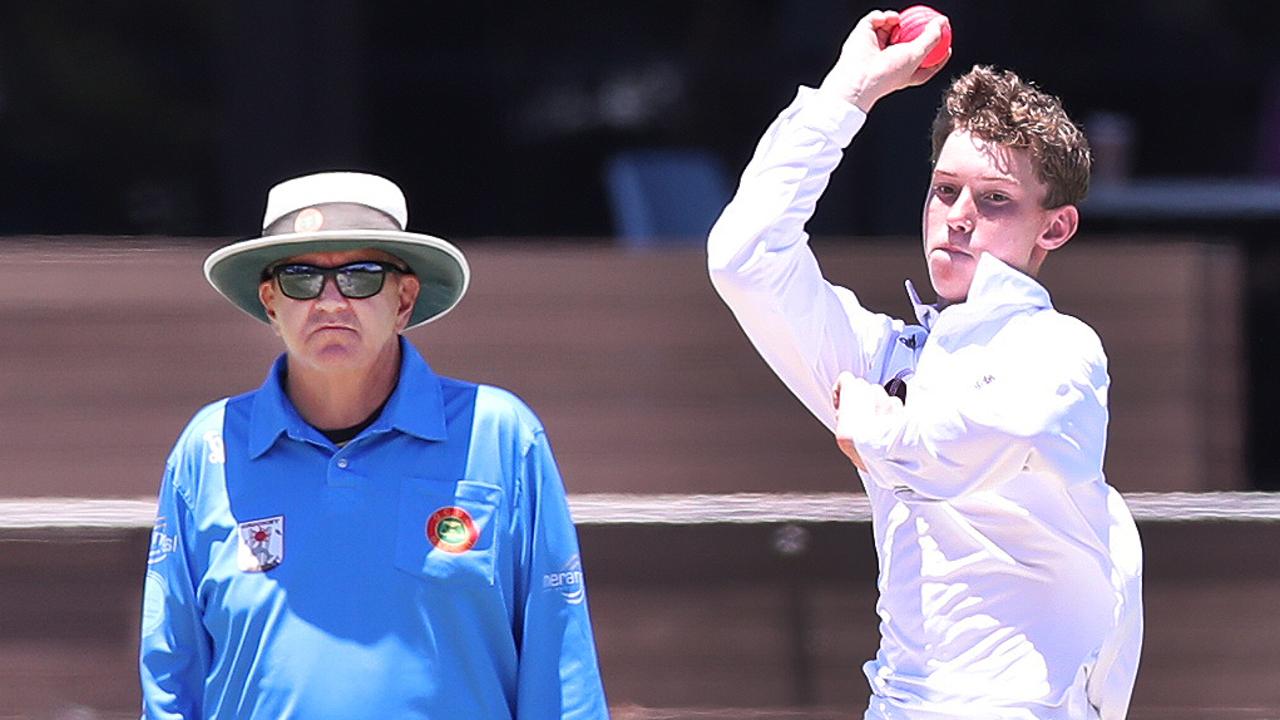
pixel 308 220
pixel 452 530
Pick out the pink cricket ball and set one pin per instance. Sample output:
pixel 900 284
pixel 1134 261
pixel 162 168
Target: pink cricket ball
pixel 911 23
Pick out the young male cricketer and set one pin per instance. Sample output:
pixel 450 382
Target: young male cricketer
pixel 360 537
pixel 1009 570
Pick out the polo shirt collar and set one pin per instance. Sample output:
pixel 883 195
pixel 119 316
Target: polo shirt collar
pixel 925 313
pixel 995 284
pixel 273 413
pixel 416 406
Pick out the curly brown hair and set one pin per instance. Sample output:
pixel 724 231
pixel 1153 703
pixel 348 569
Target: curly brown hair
pixel 1002 108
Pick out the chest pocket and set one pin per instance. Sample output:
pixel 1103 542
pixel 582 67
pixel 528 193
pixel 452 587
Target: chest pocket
pixel 448 530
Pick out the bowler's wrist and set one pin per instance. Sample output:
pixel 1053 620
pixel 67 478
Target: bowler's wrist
pixel 829 114
pixel 856 92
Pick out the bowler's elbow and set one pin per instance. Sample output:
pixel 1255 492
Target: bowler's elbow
pixel 729 253
pixel 720 251
pixel 725 279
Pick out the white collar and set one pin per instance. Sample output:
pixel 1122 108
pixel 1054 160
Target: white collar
pixel 995 284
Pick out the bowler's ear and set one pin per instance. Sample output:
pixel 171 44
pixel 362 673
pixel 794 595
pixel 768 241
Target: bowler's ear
pixel 1062 225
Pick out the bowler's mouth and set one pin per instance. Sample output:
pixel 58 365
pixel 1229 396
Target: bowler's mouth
pixel 953 251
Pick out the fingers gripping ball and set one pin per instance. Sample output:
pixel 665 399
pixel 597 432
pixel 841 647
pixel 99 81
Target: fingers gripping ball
pixel 911 22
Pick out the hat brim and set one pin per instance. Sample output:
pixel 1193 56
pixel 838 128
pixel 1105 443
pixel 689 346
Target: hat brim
pixel 235 271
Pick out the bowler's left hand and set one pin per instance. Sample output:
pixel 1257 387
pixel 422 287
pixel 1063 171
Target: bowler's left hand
pixel 858 403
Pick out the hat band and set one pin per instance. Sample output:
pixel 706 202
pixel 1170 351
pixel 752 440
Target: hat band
pixel 331 216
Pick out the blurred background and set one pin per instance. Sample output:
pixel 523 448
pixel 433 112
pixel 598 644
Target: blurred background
pixel 499 119
pixel 578 152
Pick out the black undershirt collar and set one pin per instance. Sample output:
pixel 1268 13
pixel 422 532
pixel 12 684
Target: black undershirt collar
pixel 342 436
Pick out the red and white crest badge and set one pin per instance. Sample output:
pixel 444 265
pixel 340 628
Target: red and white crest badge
pixel 451 529
pixel 261 544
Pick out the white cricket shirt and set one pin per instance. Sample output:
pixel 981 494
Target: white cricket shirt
pixel 1010 571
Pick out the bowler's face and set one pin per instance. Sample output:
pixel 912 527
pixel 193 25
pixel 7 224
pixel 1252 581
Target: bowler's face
pixel 334 332
pixel 984 198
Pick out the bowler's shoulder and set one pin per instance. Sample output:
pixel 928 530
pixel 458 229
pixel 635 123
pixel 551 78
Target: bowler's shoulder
pixel 1065 337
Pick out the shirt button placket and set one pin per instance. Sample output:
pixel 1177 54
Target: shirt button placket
pixel 340 475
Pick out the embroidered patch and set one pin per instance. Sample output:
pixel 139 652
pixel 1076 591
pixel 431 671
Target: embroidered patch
pixel 568 581
pixel 452 530
pixel 261 544
pixel 308 220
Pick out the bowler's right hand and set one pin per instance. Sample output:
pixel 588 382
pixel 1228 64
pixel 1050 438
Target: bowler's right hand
pixel 859 404
pixel 870 68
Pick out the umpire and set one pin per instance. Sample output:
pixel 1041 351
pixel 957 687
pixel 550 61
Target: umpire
pixel 359 537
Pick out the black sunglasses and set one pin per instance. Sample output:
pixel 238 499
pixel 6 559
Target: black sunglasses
pixel 355 280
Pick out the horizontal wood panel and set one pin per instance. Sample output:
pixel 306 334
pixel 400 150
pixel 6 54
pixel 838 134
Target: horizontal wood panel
pixel 694 616
pixel 636 367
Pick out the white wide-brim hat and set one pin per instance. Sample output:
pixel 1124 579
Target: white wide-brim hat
pixel 337 211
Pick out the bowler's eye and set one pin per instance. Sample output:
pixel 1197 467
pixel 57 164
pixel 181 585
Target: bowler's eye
pixel 998 197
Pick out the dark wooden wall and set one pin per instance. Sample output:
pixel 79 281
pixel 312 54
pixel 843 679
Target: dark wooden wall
pixel 639 372
pixel 692 616
pixel 646 385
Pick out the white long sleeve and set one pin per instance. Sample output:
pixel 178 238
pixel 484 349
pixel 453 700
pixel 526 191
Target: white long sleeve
pixel 806 328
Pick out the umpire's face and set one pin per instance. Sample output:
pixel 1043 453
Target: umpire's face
pixel 332 331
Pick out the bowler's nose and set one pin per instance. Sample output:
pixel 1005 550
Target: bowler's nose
pixel 961 213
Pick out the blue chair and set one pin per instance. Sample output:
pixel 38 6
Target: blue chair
pixel 665 198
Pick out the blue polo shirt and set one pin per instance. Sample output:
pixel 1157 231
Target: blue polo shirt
pixel 427 569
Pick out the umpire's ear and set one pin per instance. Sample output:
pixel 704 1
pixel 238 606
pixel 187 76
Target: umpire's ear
pixel 267 295
pixel 407 290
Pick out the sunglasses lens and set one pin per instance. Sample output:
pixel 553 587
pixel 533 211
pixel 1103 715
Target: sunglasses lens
pixel 299 282
pixel 357 281
pixel 360 281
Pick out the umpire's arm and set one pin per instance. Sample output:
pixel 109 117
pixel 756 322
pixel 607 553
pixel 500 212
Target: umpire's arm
pixel 559 674
pixel 175 649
